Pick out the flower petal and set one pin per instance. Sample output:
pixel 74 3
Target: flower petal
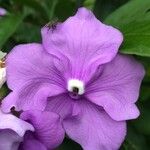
pixel 9 121
pixel 82 42
pixel 12 130
pixel 29 98
pixel 62 105
pixel 30 143
pixel 9 140
pixel 93 129
pixel 116 88
pixel 32 76
pixel 48 127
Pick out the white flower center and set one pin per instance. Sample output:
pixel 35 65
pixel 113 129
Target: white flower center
pixel 76 86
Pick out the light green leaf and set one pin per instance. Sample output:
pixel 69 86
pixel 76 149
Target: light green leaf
pixel 133 19
pixel 131 11
pixel 136 38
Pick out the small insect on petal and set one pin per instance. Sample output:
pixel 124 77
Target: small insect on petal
pixel 52 25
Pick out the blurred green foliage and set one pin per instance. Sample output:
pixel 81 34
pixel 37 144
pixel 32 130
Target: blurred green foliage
pixel 132 17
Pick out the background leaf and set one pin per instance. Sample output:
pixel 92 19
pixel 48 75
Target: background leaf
pixel 35 5
pixel 89 4
pixel 65 8
pixel 103 8
pixel 8 25
pixel 133 20
pixel 134 141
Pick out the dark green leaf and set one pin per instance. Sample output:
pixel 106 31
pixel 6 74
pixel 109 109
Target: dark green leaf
pixel 35 5
pixel 65 9
pixel 3 91
pixel 89 4
pixel 69 145
pixel 142 124
pixel 145 94
pixel 103 8
pixel 134 141
pixel 22 34
pixel 8 25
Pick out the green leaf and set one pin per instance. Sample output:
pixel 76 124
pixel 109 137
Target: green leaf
pixel 50 6
pixel 136 38
pixel 145 62
pixel 69 144
pixel 3 91
pixel 22 36
pixel 103 8
pixel 8 25
pixel 65 9
pixel 145 95
pixel 131 11
pixel 133 19
pixel 142 124
pixel 134 141
pixel 35 5
pixel 89 4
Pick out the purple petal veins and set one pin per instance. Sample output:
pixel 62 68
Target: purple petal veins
pixel 78 74
pixel 48 128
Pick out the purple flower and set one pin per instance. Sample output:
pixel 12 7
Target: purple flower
pixel 43 133
pixel 2 11
pixel 77 73
pixel 12 130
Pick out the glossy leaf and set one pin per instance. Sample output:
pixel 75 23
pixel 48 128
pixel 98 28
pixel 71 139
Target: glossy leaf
pixel 133 19
pixel 136 38
pixel 131 11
